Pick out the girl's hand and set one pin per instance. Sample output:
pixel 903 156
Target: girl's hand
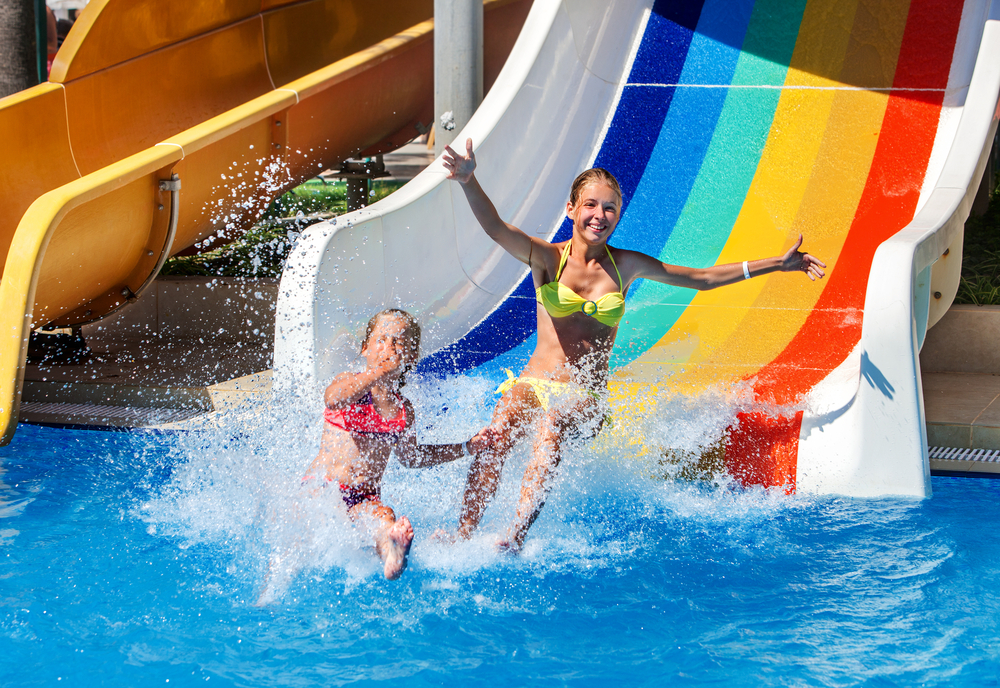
pixel 389 357
pixel 460 167
pixel 797 261
pixel 483 440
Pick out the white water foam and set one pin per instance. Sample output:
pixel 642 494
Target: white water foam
pixel 238 488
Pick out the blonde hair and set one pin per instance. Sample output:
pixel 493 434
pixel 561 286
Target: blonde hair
pixel 595 175
pixel 412 333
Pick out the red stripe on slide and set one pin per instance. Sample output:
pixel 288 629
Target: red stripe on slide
pixel 888 202
pixel 762 450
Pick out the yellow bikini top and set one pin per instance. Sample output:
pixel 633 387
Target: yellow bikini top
pixel 561 301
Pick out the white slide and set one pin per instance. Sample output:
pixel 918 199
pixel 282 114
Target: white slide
pixel 732 127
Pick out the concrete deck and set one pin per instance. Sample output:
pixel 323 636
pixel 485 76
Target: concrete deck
pixel 164 385
pixel 962 410
pixel 406 162
pixel 191 348
pixel 402 164
pixel 960 364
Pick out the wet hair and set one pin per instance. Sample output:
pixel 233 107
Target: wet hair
pixel 412 331
pixel 595 175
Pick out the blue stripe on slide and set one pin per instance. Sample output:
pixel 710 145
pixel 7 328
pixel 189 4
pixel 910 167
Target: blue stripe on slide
pixel 660 60
pixel 635 128
pixel 678 151
pixel 702 229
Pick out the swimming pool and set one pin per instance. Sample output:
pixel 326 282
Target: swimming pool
pixel 136 559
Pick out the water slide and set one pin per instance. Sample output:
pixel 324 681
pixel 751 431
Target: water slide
pixel 236 100
pixel 733 126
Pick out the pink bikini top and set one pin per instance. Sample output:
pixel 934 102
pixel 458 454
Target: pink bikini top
pixel 364 417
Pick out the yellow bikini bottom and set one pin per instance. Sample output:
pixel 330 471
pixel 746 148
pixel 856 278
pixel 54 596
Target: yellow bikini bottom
pixel 548 391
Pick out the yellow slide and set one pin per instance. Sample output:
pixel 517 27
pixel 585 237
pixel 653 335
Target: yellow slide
pixel 233 102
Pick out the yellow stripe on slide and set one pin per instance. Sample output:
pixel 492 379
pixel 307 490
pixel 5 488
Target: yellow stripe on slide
pixel 832 195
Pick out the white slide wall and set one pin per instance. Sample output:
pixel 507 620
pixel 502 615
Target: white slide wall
pixel 421 249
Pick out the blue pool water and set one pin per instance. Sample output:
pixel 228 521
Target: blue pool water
pixel 136 559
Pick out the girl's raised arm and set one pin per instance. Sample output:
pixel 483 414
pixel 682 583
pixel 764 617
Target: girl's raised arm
pixel 347 388
pixel 462 169
pixel 793 260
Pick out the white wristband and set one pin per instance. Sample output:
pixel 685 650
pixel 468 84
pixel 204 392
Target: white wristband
pixel 465 448
pixel 746 269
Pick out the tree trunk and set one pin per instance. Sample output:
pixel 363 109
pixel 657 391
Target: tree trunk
pixel 18 52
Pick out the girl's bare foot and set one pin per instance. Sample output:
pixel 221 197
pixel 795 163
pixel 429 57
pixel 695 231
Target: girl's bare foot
pixel 398 541
pixel 446 537
pixel 451 537
pixel 508 546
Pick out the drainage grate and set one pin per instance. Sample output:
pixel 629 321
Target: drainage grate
pixel 94 412
pixel 961 454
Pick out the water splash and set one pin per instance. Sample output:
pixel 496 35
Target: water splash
pixel 238 487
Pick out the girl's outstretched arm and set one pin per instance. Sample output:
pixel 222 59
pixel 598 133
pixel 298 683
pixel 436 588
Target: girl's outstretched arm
pixel 413 455
pixel 462 168
pixel 792 260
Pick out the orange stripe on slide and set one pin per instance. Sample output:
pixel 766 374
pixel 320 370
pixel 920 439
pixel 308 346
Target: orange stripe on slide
pixel 887 205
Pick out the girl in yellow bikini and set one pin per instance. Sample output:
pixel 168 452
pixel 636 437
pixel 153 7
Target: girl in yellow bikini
pixel 580 287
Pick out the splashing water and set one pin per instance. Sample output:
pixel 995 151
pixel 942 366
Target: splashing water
pixel 137 558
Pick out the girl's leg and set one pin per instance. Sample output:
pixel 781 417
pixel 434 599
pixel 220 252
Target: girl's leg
pixel 516 410
pixel 392 537
pixel 537 481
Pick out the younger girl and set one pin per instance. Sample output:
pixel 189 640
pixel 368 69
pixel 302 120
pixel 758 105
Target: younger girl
pixel 365 421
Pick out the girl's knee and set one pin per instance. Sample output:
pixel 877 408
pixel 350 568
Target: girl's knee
pixel 489 463
pixel 555 426
pixel 384 513
pixel 373 510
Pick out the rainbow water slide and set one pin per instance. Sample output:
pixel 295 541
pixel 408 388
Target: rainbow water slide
pixel 733 126
pixel 239 99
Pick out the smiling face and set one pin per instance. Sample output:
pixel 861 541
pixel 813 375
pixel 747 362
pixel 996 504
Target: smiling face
pixel 596 212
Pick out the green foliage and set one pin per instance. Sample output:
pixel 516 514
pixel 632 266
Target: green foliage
pixel 263 250
pixel 309 199
pixel 980 281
